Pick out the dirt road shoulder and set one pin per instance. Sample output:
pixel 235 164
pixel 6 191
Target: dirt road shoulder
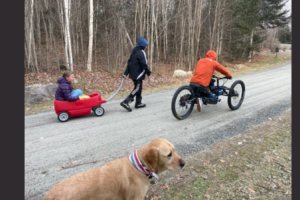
pixel 255 164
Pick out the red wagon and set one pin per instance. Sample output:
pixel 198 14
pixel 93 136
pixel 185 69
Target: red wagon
pixel 66 109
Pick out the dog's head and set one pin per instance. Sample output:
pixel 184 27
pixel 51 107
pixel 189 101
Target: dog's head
pixel 159 155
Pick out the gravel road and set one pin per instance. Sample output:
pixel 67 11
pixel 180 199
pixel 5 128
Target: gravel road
pixel 90 141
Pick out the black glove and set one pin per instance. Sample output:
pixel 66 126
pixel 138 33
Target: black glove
pixel 148 73
pixel 229 77
pixel 124 76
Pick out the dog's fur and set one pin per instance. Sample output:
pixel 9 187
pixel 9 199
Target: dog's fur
pixel 119 179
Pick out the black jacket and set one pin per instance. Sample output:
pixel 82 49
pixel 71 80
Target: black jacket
pixel 137 65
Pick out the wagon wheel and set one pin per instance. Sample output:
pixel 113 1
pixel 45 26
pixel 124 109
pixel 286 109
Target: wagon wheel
pixel 98 110
pixel 63 116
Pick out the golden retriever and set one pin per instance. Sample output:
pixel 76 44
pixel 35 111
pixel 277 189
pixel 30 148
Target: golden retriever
pixel 126 178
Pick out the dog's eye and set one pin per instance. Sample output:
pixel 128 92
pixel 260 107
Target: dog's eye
pixel 170 154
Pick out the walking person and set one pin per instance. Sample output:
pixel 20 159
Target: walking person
pixel 137 67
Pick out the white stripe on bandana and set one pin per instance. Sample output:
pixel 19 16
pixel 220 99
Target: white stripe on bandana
pixel 134 159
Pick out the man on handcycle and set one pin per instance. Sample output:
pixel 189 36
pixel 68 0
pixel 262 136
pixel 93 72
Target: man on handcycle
pixel 202 77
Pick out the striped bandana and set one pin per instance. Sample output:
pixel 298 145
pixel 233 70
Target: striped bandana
pixel 134 159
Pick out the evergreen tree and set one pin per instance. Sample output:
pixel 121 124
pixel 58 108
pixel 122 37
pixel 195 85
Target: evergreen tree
pixel 250 18
pixel 285 35
pixel 271 14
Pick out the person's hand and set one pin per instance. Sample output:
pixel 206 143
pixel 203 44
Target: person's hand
pixel 124 76
pixel 229 77
pixel 148 73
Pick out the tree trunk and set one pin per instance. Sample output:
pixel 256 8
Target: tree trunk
pixel 135 17
pixel 199 23
pixel 47 46
pixel 54 44
pixel 68 32
pixel 90 49
pixel 214 26
pixel 251 42
pixel 151 35
pixel 30 36
pixel 63 27
pixel 106 42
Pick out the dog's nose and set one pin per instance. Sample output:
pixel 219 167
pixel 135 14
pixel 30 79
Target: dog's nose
pixel 182 163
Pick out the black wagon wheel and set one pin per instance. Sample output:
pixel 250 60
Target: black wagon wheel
pixel 63 116
pixel 236 95
pixel 182 102
pixel 98 110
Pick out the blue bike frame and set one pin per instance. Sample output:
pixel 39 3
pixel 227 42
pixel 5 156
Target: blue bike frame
pixel 220 90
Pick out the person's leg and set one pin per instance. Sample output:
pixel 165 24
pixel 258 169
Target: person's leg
pixel 76 93
pixel 198 100
pixel 129 98
pixel 211 96
pixel 138 103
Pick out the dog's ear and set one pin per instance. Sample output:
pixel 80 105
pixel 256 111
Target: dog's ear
pixel 151 157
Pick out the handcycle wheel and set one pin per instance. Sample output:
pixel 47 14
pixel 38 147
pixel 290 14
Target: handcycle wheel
pixel 181 104
pixel 236 95
pixel 63 116
pixel 98 111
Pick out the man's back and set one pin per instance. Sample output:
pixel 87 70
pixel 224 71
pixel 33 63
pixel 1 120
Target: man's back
pixel 205 68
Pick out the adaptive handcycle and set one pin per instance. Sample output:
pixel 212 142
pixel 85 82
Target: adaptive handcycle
pixel 185 97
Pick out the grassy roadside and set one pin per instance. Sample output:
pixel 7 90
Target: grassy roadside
pixel 107 85
pixel 255 164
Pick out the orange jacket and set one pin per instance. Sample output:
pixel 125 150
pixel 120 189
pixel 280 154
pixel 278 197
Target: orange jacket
pixel 205 68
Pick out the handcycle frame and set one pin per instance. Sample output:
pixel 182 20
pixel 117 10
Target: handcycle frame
pixel 219 90
pixel 186 102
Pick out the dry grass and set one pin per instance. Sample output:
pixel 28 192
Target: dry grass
pixel 255 164
pixel 161 79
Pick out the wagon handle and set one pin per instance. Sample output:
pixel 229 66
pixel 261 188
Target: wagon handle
pixel 112 96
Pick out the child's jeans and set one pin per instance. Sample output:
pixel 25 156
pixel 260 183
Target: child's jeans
pixel 76 93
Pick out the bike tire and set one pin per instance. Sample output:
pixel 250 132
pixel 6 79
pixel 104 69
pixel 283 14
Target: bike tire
pixel 181 104
pixel 236 95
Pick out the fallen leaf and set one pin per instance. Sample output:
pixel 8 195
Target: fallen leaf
pixel 231 155
pixel 251 190
pixel 240 188
pixel 270 119
pixel 244 140
pixel 204 176
pixel 63 166
pixel 132 144
pixel 207 196
pixel 159 129
pixel 41 138
pixel 74 162
pixel 166 187
pixel 236 153
pixel 239 143
pixel 155 198
pixel 222 160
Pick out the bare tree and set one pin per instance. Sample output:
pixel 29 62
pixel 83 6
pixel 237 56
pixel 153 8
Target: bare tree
pixel 91 33
pixel 67 28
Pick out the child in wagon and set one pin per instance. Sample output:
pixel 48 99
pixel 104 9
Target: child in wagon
pixel 65 92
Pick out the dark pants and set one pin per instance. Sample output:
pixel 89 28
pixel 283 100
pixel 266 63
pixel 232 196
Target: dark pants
pixel 136 92
pixel 204 91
